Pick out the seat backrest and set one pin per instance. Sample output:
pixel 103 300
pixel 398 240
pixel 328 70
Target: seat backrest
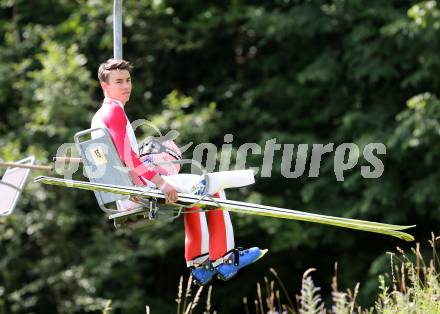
pixel 12 184
pixel 102 163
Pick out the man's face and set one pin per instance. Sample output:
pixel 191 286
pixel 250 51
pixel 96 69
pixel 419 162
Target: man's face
pixel 118 86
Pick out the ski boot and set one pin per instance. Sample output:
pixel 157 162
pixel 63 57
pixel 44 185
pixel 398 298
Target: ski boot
pixel 203 273
pixel 239 258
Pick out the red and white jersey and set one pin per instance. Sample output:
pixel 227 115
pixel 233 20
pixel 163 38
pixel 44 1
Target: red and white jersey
pixel 112 116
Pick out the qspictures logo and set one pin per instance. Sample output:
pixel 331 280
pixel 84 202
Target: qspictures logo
pixel 345 157
pixel 307 160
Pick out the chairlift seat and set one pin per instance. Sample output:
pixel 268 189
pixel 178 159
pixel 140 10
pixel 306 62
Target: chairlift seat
pixel 11 185
pixel 102 164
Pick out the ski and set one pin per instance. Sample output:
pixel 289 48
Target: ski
pixel 236 206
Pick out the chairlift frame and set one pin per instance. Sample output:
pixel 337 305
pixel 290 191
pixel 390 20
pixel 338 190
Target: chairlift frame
pixel 12 186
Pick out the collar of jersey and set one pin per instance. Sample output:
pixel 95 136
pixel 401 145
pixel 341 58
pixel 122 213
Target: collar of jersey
pixel 109 100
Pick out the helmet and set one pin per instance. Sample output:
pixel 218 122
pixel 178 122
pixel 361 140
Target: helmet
pixel 160 155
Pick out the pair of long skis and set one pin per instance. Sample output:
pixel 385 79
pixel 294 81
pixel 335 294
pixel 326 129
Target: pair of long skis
pixel 238 207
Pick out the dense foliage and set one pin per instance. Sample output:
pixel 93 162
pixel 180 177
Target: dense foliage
pixel 301 72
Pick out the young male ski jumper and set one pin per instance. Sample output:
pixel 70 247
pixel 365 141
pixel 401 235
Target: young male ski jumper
pixel 209 238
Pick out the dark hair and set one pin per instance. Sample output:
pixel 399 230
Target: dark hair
pixel 110 65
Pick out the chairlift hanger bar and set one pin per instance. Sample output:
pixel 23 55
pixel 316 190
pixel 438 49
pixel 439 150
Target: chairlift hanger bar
pixel 117 29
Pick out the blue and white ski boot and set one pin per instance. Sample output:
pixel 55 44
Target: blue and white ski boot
pixel 203 274
pixel 238 259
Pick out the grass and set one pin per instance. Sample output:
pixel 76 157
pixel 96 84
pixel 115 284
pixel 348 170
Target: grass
pixel 186 303
pixel 413 287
